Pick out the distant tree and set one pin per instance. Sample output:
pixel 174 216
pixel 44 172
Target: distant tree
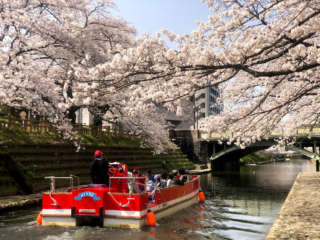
pixel 44 42
pixel 4 110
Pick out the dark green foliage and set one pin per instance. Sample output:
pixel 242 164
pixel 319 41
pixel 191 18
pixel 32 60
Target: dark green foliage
pixel 255 157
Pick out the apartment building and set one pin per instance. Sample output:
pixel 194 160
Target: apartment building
pixel 84 117
pixel 205 103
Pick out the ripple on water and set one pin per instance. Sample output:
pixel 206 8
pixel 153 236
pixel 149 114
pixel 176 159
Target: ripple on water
pixel 64 236
pixel 239 235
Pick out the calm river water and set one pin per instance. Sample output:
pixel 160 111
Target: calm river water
pixel 239 205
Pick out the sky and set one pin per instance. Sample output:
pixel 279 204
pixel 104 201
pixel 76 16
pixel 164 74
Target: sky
pixel 177 16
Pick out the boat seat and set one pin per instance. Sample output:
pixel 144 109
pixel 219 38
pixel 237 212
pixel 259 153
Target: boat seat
pixel 97 186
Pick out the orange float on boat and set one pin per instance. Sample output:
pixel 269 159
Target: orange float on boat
pixel 39 218
pixel 151 218
pixel 201 196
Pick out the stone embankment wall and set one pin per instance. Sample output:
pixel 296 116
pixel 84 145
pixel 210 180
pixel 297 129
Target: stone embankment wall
pixel 187 141
pixel 38 161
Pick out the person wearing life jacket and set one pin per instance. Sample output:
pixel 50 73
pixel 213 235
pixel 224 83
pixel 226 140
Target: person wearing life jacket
pixel 150 176
pixel 99 169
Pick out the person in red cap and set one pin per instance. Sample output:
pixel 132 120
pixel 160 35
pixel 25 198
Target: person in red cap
pixel 140 182
pixel 99 169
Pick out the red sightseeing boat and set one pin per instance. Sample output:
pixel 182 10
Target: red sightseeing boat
pixel 115 205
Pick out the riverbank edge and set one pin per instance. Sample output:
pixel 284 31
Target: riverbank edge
pixel 200 171
pixel 261 158
pixel 300 213
pixel 19 202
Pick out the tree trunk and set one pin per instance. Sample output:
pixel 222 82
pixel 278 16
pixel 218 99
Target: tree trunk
pixel 72 111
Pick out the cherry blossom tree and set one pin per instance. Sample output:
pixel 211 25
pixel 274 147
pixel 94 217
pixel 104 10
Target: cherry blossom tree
pixel 264 54
pixel 42 40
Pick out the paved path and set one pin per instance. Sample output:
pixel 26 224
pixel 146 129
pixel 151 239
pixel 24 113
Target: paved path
pixel 19 201
pixel 198 170
pixel 16 202
pixel 299 217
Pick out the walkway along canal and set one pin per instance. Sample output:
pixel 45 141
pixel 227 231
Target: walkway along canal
pixel 300 214
pixel 239 205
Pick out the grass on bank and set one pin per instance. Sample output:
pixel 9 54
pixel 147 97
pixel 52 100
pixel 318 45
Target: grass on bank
pixel 9 137
pixel 17 137
pixel 255 157
pixel 260 156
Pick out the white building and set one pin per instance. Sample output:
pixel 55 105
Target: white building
pixel 205 103
pixel 84 117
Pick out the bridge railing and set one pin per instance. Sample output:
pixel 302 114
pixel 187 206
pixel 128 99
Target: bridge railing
pixel 303 131
pixel 32 125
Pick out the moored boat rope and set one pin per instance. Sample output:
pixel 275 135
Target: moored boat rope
pixel 54 201
pixel 129 198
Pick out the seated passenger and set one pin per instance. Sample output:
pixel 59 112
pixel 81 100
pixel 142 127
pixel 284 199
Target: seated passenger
pixel 149 181
pixel 189 177
pixel 174 172
pixel 157 180
pixel 170 182
pixel 176 180
pixel 183 175
pixel 150 176
pixel 149 186
pixel 163 180
pixel 184 179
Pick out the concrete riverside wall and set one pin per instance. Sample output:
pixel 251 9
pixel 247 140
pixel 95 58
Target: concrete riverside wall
pixel 38 161
pixel 299 217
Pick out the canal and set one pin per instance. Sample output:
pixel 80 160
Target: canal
pixel 239 205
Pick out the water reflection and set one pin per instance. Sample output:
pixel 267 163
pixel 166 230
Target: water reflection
pixel 244 205
pixel 239 205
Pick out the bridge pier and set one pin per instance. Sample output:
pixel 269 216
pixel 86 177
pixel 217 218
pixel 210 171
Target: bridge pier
pixel 214 165
pixel 213 148
pixel 221 165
